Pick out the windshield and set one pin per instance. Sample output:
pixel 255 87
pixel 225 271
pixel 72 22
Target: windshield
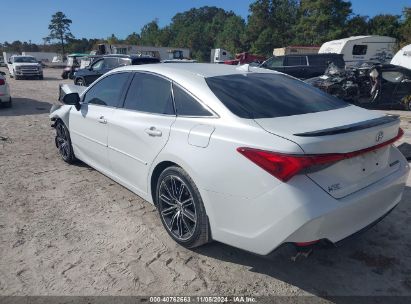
pixel 25 59
pixel 266 95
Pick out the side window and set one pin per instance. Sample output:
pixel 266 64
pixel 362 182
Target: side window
pixel 186 105
pixel 107 91
pixel 150 93
pixel 359 49
pixel 274 62
pixel 296 60
pixel 110 63
pixel 124 61
pixel 98 65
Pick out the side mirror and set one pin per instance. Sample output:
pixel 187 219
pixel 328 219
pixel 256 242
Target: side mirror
pixel 72 99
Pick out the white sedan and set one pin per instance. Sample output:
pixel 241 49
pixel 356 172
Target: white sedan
pixel 5 98
pixel 249 157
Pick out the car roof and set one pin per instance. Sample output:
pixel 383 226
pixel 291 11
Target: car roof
pixel 192 77
pixel 194 70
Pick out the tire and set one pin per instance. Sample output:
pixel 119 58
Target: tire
pixel 64 75
pixel 41 77
pixel 8 104
pixel 408 106
pixel 63 142
pixel 16 77
pixel 181 208
pixel 80 82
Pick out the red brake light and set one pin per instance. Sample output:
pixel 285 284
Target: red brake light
pixel 284 166
pixel 2 82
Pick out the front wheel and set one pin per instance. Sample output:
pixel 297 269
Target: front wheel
pixel 181 208
pixel 63 143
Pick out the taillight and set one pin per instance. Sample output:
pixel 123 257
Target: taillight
pixel 2 82
pixel 284 166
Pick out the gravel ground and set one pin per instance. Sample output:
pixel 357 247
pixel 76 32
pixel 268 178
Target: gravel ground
pixel 69 230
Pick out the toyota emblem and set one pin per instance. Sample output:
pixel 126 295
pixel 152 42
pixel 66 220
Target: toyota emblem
pixel 379 136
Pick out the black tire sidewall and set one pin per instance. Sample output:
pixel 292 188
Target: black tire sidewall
pixel 202 221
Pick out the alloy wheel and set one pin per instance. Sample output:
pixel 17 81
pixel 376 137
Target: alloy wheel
pixel 62 141
pixel 177 207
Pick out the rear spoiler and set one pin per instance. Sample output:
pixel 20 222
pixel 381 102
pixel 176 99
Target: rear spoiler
pixel 353 127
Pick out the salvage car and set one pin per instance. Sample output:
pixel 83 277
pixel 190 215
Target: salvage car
pixel 246 156
pixel 369 85
pixel 303 66
pixel 84 77
pixel 24 67
pixel 5 98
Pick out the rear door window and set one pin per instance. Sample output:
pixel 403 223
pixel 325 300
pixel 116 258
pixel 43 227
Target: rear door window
pixel 296 60
pixel 187 105
pixel 110 63
pixel 150 93
pixel 266 95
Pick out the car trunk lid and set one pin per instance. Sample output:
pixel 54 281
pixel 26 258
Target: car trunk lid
pixel 357 133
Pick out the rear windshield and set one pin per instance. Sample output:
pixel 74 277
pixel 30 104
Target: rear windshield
pixel 265 95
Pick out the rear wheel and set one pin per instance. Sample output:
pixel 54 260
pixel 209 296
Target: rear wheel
pixel 181 208
pixel 63 143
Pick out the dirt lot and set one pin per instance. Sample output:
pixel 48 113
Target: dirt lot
pixel 68 230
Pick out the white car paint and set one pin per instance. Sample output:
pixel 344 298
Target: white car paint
pixel 403 57
pixel 246 206
pixel 5 97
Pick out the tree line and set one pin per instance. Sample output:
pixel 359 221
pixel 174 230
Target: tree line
pixel 270 24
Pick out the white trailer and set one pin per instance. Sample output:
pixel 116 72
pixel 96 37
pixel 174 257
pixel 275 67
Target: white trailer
pixel 41 56
pixel 403 57
pixel 162 53
pixel 220 55
pixel 359 49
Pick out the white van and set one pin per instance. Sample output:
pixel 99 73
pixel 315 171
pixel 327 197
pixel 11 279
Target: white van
pixel 359 49
pixel 403 57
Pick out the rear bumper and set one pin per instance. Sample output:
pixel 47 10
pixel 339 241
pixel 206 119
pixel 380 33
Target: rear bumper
pixel 300 211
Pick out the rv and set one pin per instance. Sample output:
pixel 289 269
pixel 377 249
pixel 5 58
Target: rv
pixel 220 55
pixel 403 57
pixel 360 49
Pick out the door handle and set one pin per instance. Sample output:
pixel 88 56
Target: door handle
pixel 102 120
pixel 152 131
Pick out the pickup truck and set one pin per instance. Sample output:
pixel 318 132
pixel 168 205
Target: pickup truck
pixel 24 66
